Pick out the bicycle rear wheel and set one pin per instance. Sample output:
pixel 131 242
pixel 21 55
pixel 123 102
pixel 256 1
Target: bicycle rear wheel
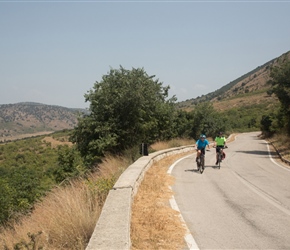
pixel 198 164
pixel 219 160
pixel 201 169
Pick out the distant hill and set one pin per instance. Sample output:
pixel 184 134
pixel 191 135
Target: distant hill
pixel 251 88
pixel 27 118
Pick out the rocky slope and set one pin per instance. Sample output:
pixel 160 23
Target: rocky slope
pixel 251 88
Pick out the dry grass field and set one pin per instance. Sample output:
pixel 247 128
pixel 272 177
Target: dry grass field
pixel 54 143
pixel 238 102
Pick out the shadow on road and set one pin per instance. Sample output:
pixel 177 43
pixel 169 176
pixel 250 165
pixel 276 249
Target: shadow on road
pixel 255 152
pixel 205 167
pixel 192 170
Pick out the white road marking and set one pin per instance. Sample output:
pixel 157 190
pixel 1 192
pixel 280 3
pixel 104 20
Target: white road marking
pixel 269 152
pixel 191 243
pixel 260 192
pixel 173 165
pixel 263 194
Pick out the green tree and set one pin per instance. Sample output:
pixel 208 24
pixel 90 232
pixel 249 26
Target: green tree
pixel 69 164
pixel 127 107
pixel 280 79
pixel 266 123
pixel 183 124
pixel 27 185
pixel 207 120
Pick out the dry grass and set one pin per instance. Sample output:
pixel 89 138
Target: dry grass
pixel 65 219
pixel 24 136
pixel 67 216
pixel 282 144
pixel 54 143
pixel 154 225
pixel 239 102
pixel 171 144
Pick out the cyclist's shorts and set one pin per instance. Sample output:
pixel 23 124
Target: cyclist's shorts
pixel 218 148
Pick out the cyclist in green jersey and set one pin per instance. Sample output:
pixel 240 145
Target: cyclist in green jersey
pixel 220 143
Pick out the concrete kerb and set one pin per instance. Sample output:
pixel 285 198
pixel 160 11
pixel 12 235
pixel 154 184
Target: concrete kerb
pixel 112 230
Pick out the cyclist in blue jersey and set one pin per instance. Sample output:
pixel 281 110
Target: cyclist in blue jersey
pixel 201 144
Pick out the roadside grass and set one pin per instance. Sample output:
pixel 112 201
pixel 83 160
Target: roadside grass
pixel 154 224
pixel 66 217
pixel 171 144
pixel 282 144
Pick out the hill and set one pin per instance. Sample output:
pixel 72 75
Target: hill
pixel 27 118
pixel 249 89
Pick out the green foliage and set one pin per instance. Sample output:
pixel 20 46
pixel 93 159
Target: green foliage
pixel 70 164
pixel 127 107
pixel 206 120
pixel 101 187
pixel 247 118
pixel 183 124
pixel 29 168
pixel 266 123
pixel 280 79
pixel 6 199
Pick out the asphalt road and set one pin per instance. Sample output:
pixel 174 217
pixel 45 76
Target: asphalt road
pixel 243 205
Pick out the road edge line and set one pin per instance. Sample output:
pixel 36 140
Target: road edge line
pixel 271 158
pixel 190 241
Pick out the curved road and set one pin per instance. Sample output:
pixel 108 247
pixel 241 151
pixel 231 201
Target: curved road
pixel 243 205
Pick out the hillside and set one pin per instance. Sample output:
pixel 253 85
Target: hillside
pixel 25 119
pixel 249 89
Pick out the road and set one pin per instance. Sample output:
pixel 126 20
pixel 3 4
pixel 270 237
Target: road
pixel 243 205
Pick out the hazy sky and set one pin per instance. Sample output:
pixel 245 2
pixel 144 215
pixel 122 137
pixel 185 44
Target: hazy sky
pixel 53 52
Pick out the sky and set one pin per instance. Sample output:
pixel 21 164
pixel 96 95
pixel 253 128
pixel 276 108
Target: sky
pixel 52 52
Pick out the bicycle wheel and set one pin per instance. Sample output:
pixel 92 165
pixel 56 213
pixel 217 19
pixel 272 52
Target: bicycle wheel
pixel 201 168
pixel 219 160
pixel 198 164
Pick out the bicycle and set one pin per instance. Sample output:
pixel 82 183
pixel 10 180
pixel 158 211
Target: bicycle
pixel 200 162
pixel 220 155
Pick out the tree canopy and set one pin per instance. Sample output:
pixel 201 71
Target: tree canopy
pixel 207 120
pixel 280 79
pixel 127 107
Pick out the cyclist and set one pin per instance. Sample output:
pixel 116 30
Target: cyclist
pixel 201 143
pixel 220 143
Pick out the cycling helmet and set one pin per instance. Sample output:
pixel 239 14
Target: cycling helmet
pixel 202 136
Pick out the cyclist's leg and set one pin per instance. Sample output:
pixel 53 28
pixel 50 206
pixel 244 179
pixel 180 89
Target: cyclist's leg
pixel 217 154
pixel 197 154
